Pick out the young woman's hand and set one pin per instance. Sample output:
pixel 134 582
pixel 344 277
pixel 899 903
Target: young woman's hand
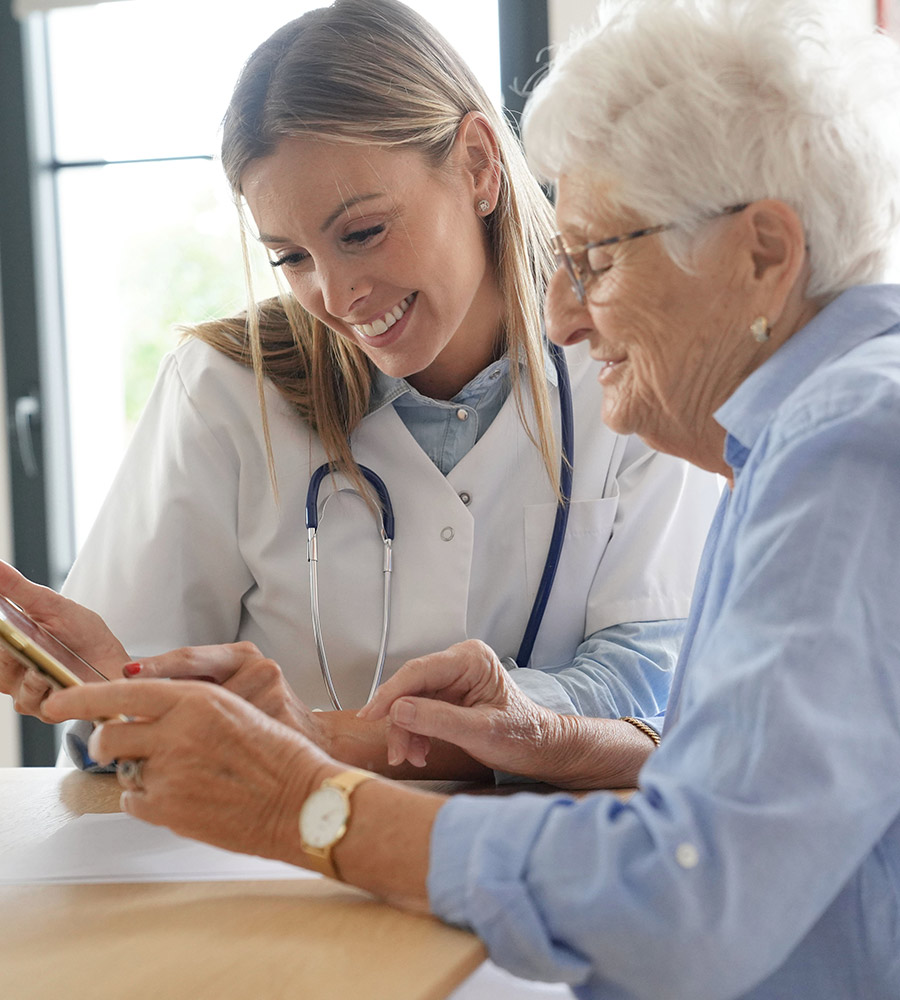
pixel 81 630
pixel 242 669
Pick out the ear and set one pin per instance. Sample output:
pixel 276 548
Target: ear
pixel 775 247
pixel 478 152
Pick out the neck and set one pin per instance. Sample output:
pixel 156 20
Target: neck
pixel 446 377
pixel 693 433
pixel 704 449
pixel 477 342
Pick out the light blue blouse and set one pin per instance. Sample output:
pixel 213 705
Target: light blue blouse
pixel 761 856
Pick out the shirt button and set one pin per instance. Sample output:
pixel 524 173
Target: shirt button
pixel 495 374
pixel 687 855
pixel 465 497
pixel 462 414
pixel 447 534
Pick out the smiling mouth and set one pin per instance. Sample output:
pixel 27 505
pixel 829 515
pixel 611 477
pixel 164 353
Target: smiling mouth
pixel 385 322
pixel 610 362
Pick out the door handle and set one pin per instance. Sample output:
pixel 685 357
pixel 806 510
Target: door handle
pixel 25 412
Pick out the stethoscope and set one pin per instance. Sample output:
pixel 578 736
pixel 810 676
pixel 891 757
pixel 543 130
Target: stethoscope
pixel 551 564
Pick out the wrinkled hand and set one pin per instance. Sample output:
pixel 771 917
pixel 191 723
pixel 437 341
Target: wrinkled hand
pixel 464 695
pixel 241 668
pixel 214 767
pixel 81 630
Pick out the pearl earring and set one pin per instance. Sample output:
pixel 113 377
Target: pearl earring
pixel 483 206
pixel 760 329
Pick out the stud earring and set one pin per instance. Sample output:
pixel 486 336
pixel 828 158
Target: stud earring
pixel 483 206
pixel 760 329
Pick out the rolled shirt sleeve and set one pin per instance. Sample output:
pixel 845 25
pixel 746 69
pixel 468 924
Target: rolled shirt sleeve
pixel 621 670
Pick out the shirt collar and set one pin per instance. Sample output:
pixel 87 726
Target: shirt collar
pixel 386 388
pixel 853 317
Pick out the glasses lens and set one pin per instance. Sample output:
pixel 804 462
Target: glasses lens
pixel 564 258
pixel 599 259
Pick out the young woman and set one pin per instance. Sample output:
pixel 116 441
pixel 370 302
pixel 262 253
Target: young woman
pixel 396 207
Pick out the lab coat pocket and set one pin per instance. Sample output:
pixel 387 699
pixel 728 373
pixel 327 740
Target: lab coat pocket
pixel 587 535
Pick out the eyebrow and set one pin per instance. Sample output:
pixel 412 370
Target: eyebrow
pixel 343 207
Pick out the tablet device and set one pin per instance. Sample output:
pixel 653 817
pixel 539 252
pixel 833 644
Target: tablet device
pixel 33 646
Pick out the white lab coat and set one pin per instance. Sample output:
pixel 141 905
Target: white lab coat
pixel 191 547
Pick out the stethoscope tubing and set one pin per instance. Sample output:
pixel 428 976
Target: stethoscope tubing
pixel 312 555
pixel 566 475
pixel 551 565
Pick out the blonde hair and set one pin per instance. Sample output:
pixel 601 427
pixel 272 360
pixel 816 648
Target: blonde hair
pixel 375 72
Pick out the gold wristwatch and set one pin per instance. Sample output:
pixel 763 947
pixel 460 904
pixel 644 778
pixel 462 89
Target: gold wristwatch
pixel 325 817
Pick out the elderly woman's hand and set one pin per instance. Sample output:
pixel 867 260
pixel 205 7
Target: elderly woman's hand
pixel 79 629
pixel 214 767
pixel 464 696
pixel 241 668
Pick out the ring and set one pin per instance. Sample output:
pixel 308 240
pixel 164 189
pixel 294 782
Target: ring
pixel 131 771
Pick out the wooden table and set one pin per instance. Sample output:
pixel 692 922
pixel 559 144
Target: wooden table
pixel 310 939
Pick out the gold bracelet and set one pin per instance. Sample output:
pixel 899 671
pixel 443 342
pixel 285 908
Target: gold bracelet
pixel 644 728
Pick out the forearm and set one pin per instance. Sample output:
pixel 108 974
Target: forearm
pixel 581 753
pixel 386 848
pixel 360 743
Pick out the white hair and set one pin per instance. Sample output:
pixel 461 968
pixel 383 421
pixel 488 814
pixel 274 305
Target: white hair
pixel 686 107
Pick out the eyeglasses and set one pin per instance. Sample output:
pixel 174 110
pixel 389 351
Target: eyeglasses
pixel 591 259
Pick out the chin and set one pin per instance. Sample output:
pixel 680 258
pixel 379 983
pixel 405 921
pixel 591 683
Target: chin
pixel 618 418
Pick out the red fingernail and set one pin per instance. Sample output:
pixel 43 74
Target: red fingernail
pixel 131 669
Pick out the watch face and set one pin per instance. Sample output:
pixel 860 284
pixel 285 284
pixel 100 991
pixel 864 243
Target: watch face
pixel 323 817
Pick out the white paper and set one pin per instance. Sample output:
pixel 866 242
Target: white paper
pixel 115 847
pixel 490 982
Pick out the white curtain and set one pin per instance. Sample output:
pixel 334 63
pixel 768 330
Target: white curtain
pixel 22 8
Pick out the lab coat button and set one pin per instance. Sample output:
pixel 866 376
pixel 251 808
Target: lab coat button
pixel 465 497
pixel 687 855
pixel 462 414
pixel 447 534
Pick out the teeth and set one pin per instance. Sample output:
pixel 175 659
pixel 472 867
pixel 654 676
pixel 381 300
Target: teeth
pixel 387 320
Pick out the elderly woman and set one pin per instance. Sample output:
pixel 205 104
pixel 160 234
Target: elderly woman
pixel 726 197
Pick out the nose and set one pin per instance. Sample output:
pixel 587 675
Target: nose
pixel 567 321
pixel 343 287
